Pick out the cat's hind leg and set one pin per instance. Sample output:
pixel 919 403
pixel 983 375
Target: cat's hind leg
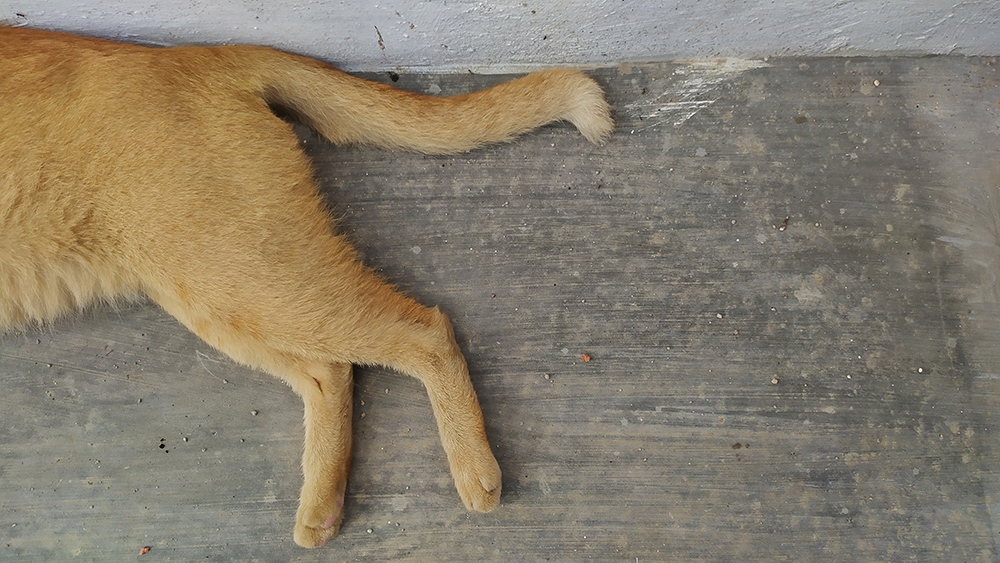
pixel 326 391
pixel 420 342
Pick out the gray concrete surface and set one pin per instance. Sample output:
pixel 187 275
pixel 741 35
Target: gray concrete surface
pixel 506 35
pixel 784 275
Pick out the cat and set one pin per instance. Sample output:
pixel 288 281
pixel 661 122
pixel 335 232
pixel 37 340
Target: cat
pixel 128 170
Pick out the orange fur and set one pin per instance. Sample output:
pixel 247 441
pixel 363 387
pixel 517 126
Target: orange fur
pixel 128 170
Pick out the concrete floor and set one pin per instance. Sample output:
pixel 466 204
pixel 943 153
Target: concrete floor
pixel 784 275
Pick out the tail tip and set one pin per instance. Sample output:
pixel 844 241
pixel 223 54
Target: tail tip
pixel 595 123
pixel 590 112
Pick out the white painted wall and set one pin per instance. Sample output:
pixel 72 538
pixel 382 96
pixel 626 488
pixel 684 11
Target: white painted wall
pixel 507 34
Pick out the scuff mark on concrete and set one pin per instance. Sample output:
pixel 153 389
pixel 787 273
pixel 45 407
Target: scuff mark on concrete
pixel 693 92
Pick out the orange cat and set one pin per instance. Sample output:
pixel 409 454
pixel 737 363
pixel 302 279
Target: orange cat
pixel 128 170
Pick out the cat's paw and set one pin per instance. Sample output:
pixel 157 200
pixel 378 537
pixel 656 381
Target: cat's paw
pixel 478 483
pixel 314 526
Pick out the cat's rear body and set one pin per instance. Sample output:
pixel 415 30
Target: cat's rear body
pixel 127 170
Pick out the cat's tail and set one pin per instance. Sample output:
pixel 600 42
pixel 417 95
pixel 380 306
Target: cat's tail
pixel 349 110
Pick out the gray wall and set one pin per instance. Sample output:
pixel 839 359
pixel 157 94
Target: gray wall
pixel 504 34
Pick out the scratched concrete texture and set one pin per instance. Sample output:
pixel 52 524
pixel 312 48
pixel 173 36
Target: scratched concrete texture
pixel 783 272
